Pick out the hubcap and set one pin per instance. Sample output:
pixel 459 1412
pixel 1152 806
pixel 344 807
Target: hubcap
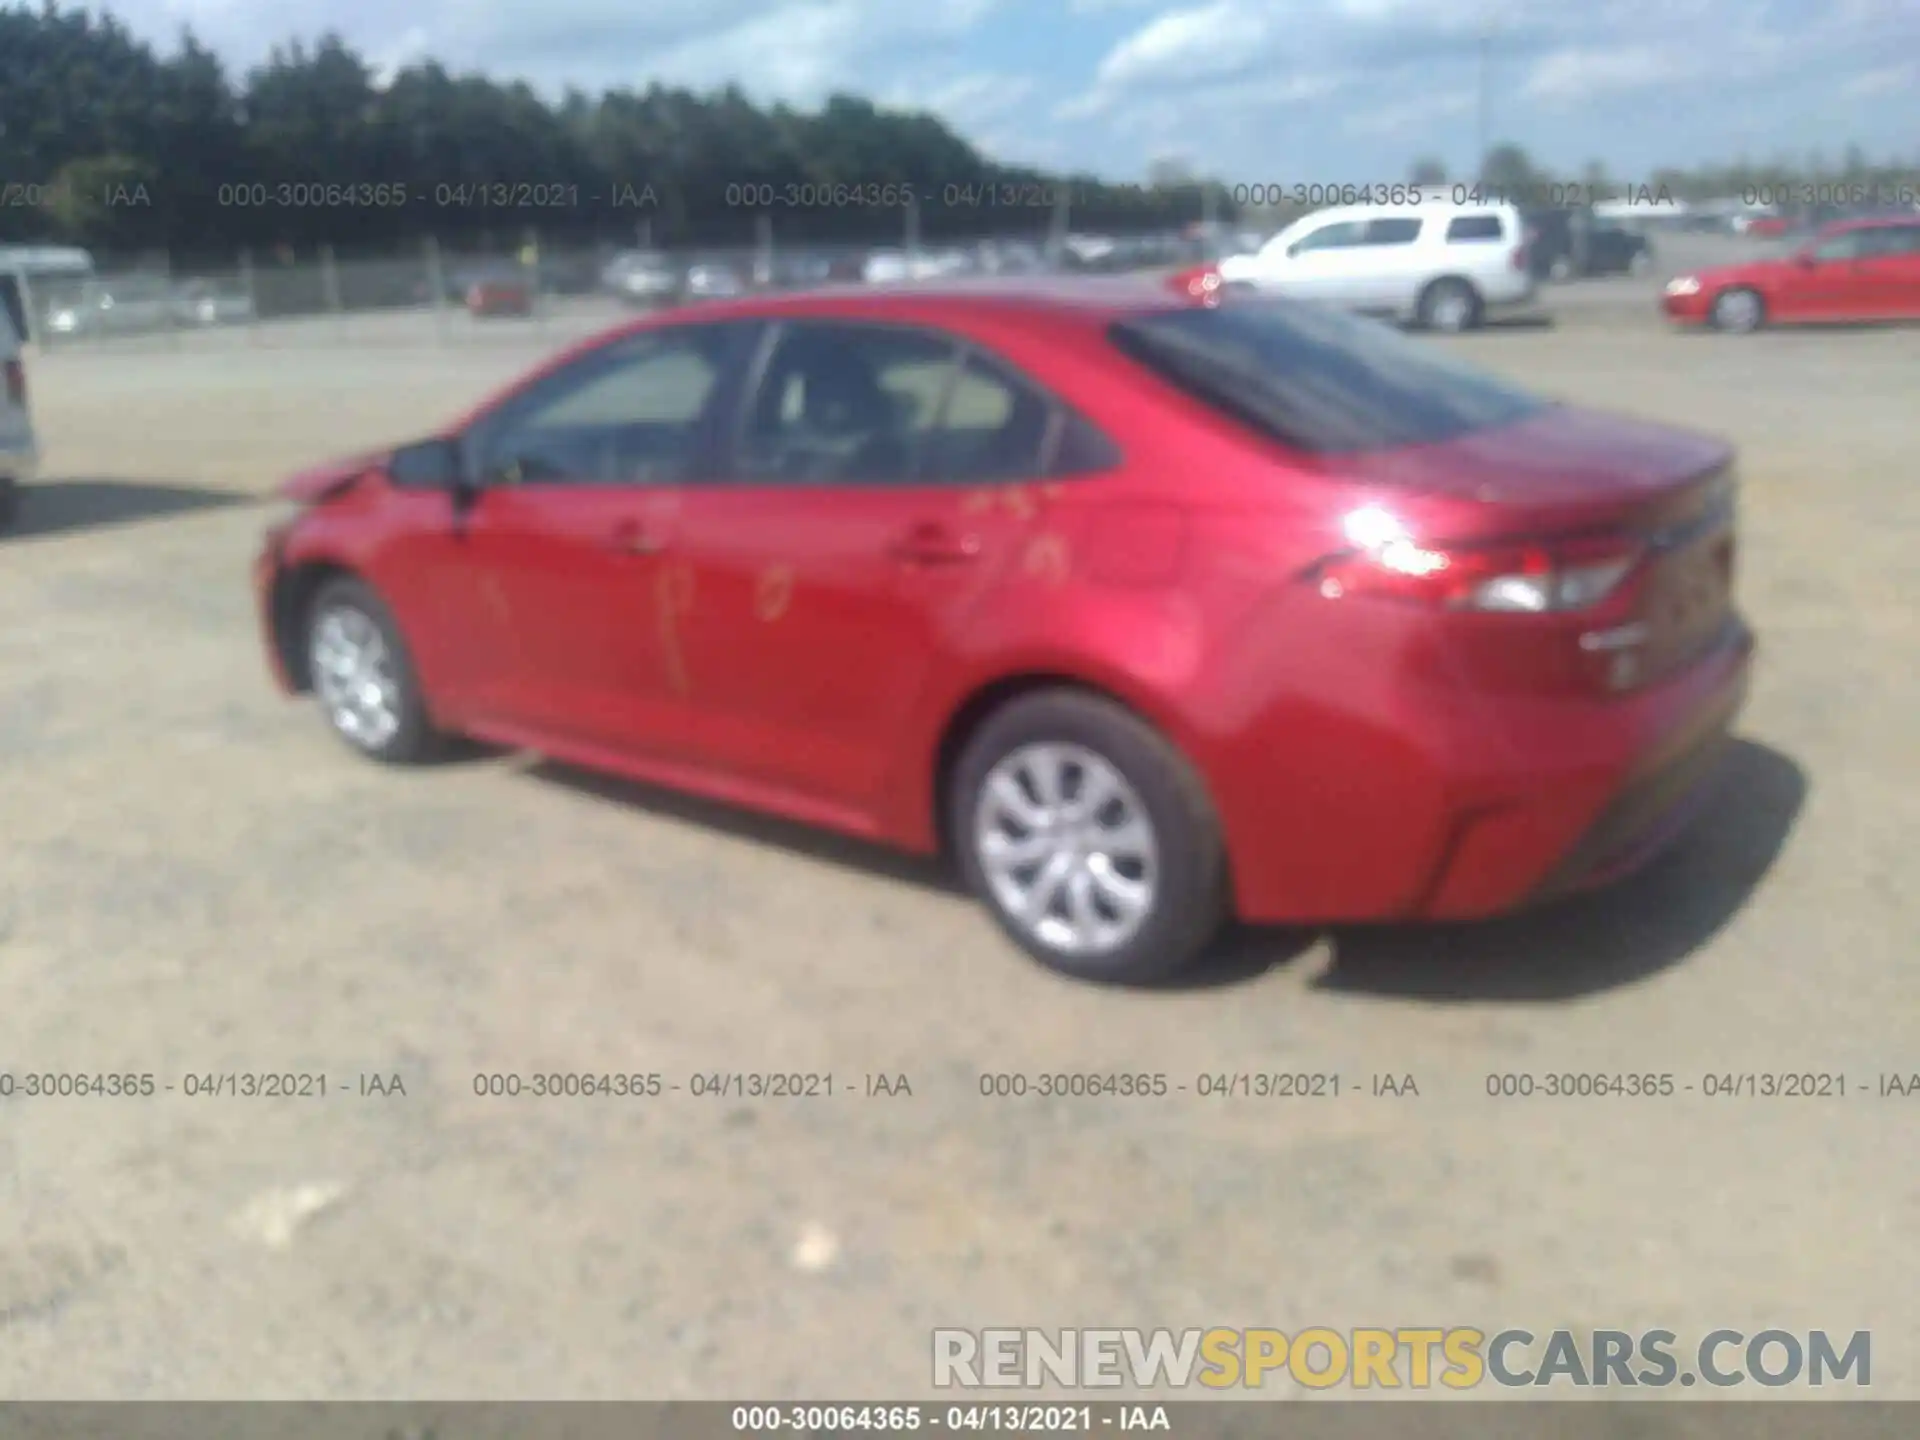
pixel 1739 312
pixel 1450 310
pixel 353 673
pixel 1067 848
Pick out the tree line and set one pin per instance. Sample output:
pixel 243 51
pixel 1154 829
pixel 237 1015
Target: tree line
pixel 108 143
pixel 1509 168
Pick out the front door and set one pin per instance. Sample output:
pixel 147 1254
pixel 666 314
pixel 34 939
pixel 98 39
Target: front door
pixel 566 546
pixel 1327 264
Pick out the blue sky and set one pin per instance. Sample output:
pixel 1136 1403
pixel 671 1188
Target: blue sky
pixel 1261 91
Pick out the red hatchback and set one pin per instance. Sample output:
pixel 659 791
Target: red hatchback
pixel 1853 270
pixel 1149 613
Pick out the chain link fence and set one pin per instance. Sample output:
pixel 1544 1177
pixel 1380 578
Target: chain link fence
pixel 428 292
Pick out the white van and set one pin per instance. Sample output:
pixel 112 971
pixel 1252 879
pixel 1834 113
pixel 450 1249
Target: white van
pixel 1441 265
pixel 19 456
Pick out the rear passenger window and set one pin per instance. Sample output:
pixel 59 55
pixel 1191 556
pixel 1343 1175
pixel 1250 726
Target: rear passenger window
pixel 1472 228
pixel 993 429
pixel 1397 231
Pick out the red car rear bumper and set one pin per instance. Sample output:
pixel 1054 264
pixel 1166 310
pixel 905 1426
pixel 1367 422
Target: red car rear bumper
pixel 1408 807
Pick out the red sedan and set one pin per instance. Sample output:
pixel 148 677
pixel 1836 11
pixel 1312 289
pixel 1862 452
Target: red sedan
pixel 1853 270
pixel 490 299
pixel 1146 612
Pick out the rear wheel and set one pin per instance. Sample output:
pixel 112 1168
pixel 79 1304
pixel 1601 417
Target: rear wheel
pixel 1450 306
pixel 364 677
pixel 1089 838
pixel 1738 312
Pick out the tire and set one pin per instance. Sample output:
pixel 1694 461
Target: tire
pixel 405 735
pixel 1186 887
pixel 1737 312
pixel 1450 306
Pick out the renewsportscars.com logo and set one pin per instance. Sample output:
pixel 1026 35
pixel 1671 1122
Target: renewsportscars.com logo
pixel 1456 1358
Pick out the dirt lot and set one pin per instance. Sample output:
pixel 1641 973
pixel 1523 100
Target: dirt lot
pixel 195 878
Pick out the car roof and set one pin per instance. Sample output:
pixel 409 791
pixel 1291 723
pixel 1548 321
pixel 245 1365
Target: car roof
pixel 1869 222
pixel 1422 208
pixel 1087 297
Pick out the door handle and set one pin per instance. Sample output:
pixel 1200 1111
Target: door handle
pixel 935 545
pixel 635 540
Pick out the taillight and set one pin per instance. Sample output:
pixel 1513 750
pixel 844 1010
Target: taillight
pixel 1535 578
pixel 1201 283
pixel 1520 255
pixel 16 382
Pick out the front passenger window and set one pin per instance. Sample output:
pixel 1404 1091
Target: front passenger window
pixel 632 414
pixel 1341 235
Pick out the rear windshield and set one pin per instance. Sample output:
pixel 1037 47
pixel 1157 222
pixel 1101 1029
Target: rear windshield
pixel 1320 380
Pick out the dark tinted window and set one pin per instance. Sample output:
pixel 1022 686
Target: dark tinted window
pixel 842 404
pixel 1319 380
pixel 1474 227
pixel 1848 245
pixel 1397 231
pixel 631 413
pixel 1903 240
pixel 1083 449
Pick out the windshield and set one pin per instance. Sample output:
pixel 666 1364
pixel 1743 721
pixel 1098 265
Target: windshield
pixel 1318 379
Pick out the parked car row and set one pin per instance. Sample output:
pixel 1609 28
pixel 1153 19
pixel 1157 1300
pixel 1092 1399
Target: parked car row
pixel 648 278
pixel 142 304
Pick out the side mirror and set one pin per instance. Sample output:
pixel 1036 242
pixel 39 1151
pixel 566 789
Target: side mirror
pixel 437 463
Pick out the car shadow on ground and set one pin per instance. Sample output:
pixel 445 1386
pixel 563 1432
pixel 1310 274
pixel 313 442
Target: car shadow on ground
pixel 59 507
pixel 1578 947
pixel 1600 941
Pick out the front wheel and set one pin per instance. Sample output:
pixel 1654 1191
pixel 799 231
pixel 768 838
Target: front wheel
pixel 364 677
pixel 1738 312
pixel 1089 838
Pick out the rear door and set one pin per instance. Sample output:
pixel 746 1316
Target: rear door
pixel 1834 284
pixel 1387 271
pixel 1889 267
pixel 564 554
pixel 854 536
pixel 1905 253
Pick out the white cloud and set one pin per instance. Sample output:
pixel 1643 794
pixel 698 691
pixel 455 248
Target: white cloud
pixel 1884 80
pixel 1185 46
pixel 1583 73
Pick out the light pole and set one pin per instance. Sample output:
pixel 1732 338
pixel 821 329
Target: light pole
pixel 1481 133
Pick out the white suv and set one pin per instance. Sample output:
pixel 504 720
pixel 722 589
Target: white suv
pixel 1443 266
pixel 19 456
